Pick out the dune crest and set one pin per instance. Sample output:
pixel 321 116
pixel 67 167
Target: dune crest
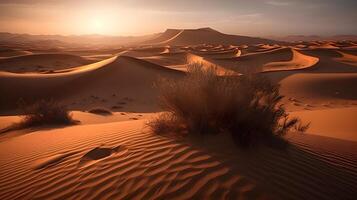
pixel 41 62
pixel 347 58
pixel 298 61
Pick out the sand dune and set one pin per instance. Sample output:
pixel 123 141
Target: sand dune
pixel 332 61
pixel 128 162
pixel 122 77
pixel 5 53
pixel 41 62
pixel 324 45
pixel 258 48
pixel 209 63
pixel 274 60
pixel 204 36
pixel 337 123
pixel 255 61
pixel 164 37
pixel 146 51
pixel 179 61
pixel 223 53
pixel 324 89
pixel 168 59
pixel 347 58
pixel 298 61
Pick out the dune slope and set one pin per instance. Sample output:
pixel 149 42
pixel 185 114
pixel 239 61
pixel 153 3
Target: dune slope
pixel 337 123
pixel 321 86
pixel 121 77
pixel 41 62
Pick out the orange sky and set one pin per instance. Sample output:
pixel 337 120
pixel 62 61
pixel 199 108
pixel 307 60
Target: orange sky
pixel 254 17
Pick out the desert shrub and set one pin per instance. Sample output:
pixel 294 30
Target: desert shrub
pixel 248 107
pixel 42 112
pixel 167 123
pixel 46 112
pixel 100 111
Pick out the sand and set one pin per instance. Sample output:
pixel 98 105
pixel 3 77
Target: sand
pixel 116 156
pixel 185 37
pixel 336 122
pixel 41 63
pixel 122 160
pixel 105 83
pixel 6 53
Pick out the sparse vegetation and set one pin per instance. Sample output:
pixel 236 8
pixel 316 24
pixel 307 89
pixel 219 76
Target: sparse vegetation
pixel 248 107
pixel 100 111
pixel 42 112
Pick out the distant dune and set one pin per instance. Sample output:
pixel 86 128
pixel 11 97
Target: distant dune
pixel 204 36
pixel 280 59
pixel 296 38
pixel 71 41
pixel 4 53
pixel 41 62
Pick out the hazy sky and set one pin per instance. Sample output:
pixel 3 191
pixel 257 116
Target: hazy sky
pixel 137 17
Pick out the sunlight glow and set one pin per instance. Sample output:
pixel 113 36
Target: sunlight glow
pixel 97 24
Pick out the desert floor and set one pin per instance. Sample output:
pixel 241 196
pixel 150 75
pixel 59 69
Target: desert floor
pixel 118 157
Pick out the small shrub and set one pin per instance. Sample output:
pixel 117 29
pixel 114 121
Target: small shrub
pixel 46 112
pixel 100 111
pixel 167 123
pixel 248 107
pixel 42 112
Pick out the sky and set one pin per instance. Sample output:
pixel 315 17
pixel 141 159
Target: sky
pixel 140 17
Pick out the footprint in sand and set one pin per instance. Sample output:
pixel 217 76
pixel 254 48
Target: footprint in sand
pixel 99 153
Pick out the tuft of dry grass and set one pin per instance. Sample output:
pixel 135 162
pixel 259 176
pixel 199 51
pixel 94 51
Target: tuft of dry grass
pixel 42 112
pixel 100 111
pixel 248 107
pixel 167 123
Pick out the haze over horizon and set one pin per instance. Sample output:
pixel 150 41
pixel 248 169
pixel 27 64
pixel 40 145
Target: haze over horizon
pixel 254 18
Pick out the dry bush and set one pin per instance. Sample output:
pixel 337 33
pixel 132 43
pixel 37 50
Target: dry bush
pixel 248 107
pixel 100 111
pixel 167 123
pixel 42 112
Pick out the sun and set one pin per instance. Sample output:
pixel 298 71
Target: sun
pixel 98 25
